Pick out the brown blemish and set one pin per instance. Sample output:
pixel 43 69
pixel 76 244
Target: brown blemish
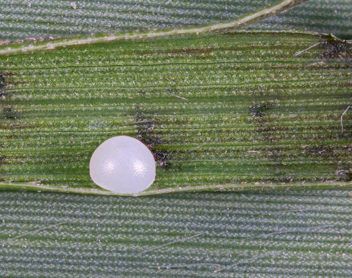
pixel 145 124
pixel 335 48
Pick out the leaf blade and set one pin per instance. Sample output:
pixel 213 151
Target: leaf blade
pixel 276 119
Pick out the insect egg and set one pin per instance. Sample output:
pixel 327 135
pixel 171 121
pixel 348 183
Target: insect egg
pixel 122 164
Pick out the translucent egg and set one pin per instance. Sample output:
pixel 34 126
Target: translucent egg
pixel 123 164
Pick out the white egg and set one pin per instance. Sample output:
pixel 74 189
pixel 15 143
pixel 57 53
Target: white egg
pixel 122 164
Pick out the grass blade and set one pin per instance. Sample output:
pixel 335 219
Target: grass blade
pixel 249 113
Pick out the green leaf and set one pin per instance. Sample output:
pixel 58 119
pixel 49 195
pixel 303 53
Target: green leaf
pixel 333 16
pixel 219 110
pixel 38 19
pixel 256 234
pixel 39 45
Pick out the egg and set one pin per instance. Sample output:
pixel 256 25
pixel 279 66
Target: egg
pixel 123 164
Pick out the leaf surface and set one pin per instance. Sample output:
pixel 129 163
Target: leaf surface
pixel 332 16
pixel 267 234
pixel 221 110
pixel 35 19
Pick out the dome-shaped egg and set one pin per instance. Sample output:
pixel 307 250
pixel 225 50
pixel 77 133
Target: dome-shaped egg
pixel 122 164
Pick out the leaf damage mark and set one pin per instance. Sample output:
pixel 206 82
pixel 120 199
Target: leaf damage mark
pixel 345 173
pixel 7 110
pixel 319 151
pixel 9 113
pixel 2 160
pixel 145 124
pixel 335 48
pixel 258 109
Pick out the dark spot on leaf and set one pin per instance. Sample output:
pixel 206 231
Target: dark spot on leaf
pixel 8 113
pixel 336 49
pixel 258 109
pixel 319 151
pixel 2 81
pixel 145 124
pixel 6 108
pixel 346 174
